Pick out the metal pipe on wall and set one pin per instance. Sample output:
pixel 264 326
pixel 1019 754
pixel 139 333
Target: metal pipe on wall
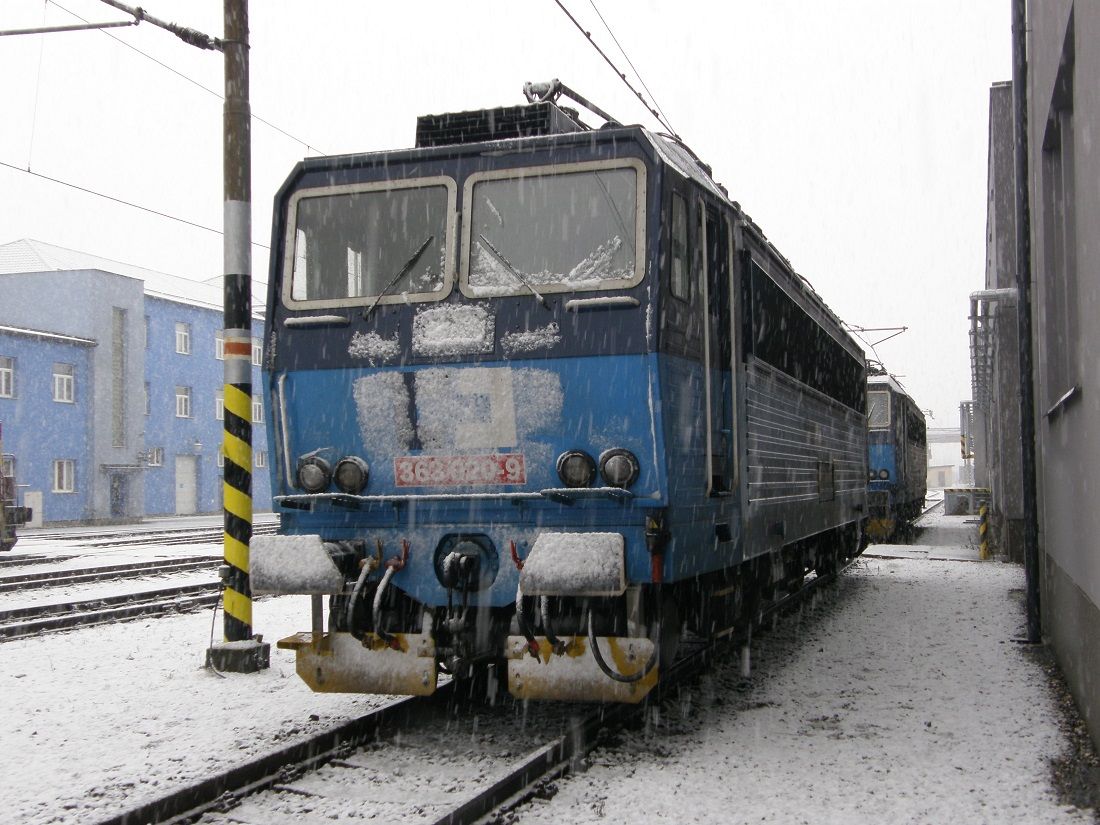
pixel 1023 287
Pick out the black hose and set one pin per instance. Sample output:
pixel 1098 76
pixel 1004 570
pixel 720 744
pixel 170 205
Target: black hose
pixel 383 635
pixel 544 614
pixel 524 626
pixel 356 591
pixel 613 674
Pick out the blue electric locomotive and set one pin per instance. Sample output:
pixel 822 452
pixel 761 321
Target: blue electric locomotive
pixel 542 395
pixel 897 475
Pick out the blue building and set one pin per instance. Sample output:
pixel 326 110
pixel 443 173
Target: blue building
pixel 111 387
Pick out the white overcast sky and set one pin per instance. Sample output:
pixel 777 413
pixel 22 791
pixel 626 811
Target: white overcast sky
pixel 853 131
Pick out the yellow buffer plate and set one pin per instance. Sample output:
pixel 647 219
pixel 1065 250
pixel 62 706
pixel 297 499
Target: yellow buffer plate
pixel 574 675
pixel 340 663
pixel 881 528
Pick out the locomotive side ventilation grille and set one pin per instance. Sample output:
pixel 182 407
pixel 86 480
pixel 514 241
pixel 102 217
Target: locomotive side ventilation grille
pixel 493 124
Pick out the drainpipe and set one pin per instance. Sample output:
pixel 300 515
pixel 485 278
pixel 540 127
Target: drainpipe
pixel 1023 285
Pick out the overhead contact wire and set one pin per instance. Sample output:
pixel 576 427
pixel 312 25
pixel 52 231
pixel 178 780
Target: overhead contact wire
pixel 309 146
pixel 119 200
pixel 622 76
pixel 630 62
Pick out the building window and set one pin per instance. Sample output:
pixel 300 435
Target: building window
pixel 257 410
pixel 7 377
pixel 148 402
pixel 156 456
pixel 183 338
pixel 1059 281
pixel 221 459
pixel 64 475
pixel 63 383
pixel 219 405
pixel 183 402
pixel 219 345
pixel 257 352
pixel 261 459
pixel 7 466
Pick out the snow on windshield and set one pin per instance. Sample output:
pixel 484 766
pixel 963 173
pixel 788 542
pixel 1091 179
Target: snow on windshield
pixel 558 232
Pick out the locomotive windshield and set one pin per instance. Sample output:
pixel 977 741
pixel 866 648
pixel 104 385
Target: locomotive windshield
pixel 878 410
pixel 372 243
pixel 570 228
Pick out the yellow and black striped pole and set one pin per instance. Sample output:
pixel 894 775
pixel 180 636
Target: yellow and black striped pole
pixel 242 652
pixel 983 530
pixel 237 483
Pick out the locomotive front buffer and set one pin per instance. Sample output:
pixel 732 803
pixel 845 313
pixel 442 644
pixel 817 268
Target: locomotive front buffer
pixel 574 580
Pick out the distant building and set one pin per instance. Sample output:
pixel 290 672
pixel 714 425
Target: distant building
pixel 945 461
pixel 994 343
pixel 111 386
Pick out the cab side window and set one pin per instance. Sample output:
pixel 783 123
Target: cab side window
pixel 680 283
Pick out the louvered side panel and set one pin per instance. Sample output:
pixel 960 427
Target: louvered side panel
pixel 802 445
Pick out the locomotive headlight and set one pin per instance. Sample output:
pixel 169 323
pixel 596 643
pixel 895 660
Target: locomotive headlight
pixel 314 474
pixel 871 474
pixel 351 474
pixel 576 468
pixel 619 468
pixel 884 473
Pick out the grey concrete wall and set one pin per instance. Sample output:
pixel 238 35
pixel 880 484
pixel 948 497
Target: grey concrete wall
pixel 1068 446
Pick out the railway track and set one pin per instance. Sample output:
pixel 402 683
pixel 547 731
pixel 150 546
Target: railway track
pixel 37 620
pixel 129 534
pixel 26 561
pixel 110 572
pixel 438 759
pixel 175 537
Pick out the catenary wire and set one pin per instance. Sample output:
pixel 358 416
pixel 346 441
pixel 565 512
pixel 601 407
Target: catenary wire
pixel 120 200
pixel 309 146
pixel 622 76
pixel 630 62
pixel 37 88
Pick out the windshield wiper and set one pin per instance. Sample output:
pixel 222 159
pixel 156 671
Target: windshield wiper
pixel 515 272
pixel 401 273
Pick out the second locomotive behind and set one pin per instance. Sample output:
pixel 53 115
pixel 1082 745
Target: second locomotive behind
pixel 897 474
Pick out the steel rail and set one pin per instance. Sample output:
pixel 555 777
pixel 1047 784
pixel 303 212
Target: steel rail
pixel 55 618
pixel 168 539
pixel 137 535
pixel 27 561
pixel 111 572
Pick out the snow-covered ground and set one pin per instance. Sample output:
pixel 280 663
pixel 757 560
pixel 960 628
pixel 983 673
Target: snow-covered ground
pixel 902 698
pixel 97 720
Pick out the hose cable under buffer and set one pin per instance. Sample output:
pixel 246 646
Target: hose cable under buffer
pixel 394 565
pixel 544 613
pixel 368 566
pixel 610 672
